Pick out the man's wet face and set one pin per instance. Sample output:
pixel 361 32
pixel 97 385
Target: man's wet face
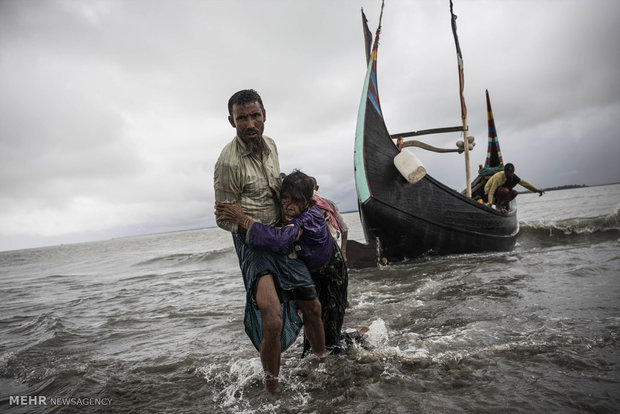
pixel 249 121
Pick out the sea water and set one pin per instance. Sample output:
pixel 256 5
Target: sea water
pixel 155 324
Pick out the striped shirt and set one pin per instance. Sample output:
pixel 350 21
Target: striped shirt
pixel 240 174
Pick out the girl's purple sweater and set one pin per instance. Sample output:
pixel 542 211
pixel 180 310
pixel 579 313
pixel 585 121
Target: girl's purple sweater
pixel 316 242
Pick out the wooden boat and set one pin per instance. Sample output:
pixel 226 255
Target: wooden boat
pixel 403 220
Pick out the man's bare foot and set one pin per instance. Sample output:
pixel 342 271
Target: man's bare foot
pixel 272 384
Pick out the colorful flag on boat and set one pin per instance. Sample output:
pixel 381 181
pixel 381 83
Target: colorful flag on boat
pixel 494 153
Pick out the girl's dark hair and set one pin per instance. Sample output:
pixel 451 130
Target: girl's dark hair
pixel 299 186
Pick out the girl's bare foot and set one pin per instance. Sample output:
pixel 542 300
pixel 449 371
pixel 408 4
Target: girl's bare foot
pixel 363 330
pixel 322 357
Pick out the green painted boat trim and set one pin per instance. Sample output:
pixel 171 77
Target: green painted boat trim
pixel 361 182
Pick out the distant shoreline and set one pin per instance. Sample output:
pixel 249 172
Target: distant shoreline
pixel 128 236
pixel 570 186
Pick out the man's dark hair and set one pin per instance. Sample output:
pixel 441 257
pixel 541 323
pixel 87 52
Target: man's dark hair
pixel 243 97
pixel 299 186
pixel 509 167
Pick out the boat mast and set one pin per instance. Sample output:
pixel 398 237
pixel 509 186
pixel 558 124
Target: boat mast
pixel 459 58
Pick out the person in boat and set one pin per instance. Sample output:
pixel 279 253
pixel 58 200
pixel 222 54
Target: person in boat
pixel 305 234
pixel 247 171
pixel 499 188
pixel 337 227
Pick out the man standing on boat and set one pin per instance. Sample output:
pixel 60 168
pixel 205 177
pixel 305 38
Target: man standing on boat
pixel 500 186
pixel 248 170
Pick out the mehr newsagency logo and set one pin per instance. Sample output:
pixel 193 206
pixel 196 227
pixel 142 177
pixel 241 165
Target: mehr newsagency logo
pixel 55 401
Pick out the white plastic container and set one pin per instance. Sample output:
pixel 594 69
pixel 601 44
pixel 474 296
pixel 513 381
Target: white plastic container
pixel 409 166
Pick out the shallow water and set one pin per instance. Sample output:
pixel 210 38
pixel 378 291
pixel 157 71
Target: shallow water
pixel 154 324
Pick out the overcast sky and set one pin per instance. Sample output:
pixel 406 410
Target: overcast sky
pixel 113 113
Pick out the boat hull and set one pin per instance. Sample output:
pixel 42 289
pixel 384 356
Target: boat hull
pixel 408 220
pixel 402 235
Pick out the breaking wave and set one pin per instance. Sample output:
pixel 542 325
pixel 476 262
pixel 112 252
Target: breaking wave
pixel 187 258
pixel 576 228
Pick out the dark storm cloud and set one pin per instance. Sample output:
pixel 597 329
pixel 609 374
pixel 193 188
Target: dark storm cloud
pixel 114 112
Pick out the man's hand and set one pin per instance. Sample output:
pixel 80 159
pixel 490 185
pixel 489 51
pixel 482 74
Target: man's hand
pixel 233 213
pixel 540 193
